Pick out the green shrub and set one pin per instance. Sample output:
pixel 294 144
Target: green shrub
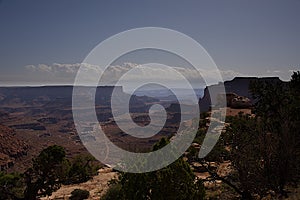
pixel 114 192
pixel 81 169
pixel 79 194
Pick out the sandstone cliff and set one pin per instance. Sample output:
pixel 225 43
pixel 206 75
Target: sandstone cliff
pixel 239 86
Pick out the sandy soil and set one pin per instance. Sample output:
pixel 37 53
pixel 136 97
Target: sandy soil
pixel 96 186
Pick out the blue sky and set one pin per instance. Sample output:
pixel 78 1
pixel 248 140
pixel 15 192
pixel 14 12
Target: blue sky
pixel 257 38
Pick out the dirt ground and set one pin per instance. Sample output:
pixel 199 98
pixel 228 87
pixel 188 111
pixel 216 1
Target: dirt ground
pixel 97 186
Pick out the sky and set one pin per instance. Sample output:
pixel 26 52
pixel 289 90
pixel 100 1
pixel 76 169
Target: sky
pixel 44 42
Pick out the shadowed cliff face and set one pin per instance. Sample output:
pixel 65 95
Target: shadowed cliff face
pixel 239 86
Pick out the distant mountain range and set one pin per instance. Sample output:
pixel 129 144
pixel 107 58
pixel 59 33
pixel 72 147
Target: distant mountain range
pixel 173 94
pixel 52 96
pixel 43 94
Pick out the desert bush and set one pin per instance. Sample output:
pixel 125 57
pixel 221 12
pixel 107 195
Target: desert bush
pixel 79 194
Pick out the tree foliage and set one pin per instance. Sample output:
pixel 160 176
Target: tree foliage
pixel 175 181
pixel 46 174
pixel 81 169
pixel 11 186
pixel 250 155
pixel 277 108
pixel 265 148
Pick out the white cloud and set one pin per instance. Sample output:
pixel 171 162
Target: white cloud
pixel 61 68
pixel 284 75
pixel 30 67
pixel 66 73
pixel 230 74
